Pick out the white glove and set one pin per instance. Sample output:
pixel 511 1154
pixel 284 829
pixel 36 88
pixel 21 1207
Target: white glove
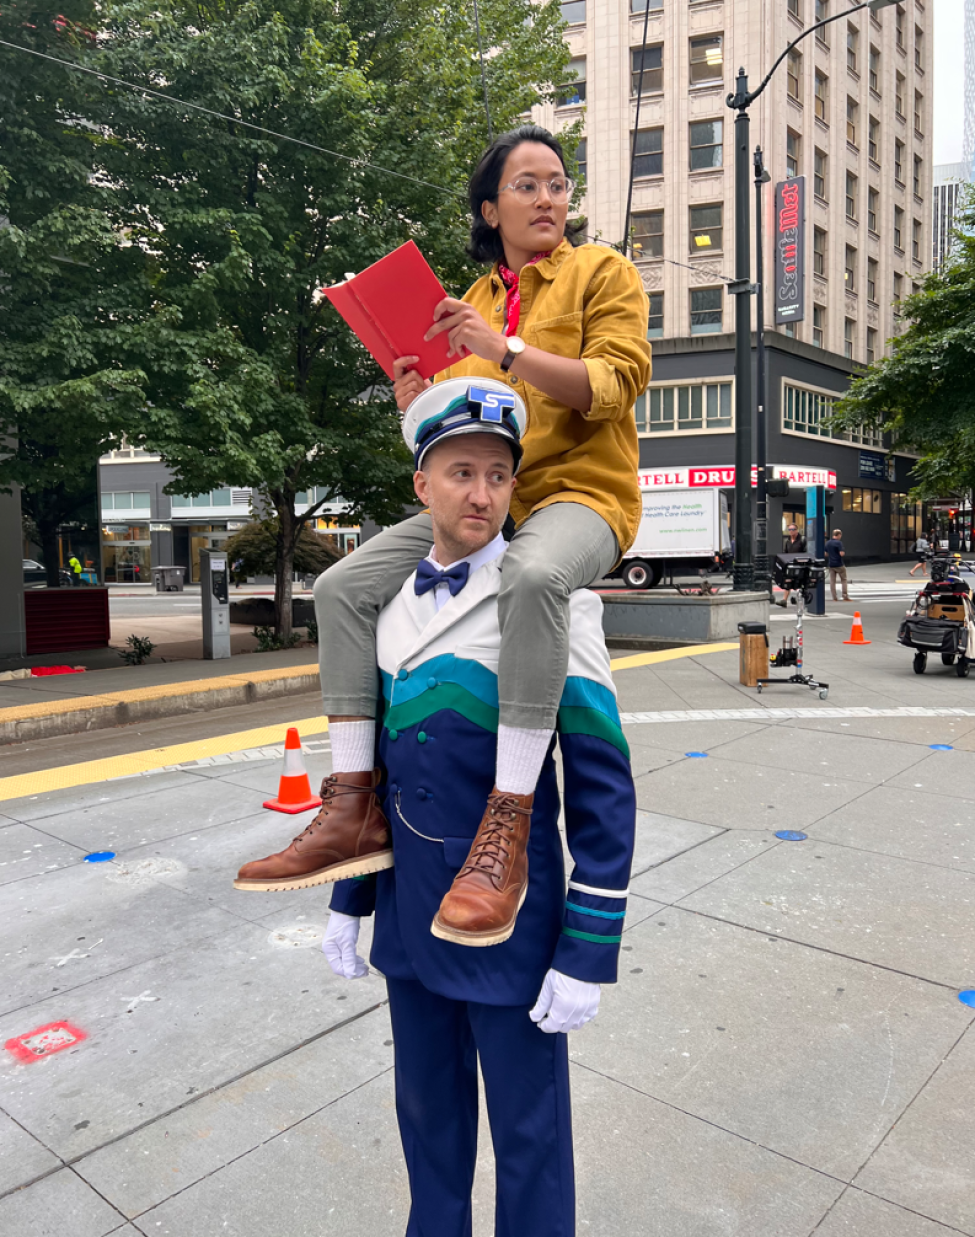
pixel 564 1003
pixel 338 945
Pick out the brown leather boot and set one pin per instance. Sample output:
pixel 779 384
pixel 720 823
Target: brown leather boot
pixel 349 837
pixel 481 906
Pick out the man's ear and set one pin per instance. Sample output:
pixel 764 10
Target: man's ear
pixel 421 487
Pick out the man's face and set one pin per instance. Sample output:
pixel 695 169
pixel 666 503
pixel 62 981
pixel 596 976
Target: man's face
pixel 467 482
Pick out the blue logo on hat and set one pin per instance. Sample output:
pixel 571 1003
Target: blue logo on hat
pixel 489 405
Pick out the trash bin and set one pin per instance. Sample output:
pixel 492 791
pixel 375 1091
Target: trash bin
pixel 752 653
pixel 168 579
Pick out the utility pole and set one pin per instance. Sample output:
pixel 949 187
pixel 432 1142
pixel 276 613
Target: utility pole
pixel 762 579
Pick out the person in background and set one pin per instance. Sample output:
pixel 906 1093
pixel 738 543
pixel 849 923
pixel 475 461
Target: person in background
pixel 74 566
pixel 794 542
pixel 835 556
pixel 922 548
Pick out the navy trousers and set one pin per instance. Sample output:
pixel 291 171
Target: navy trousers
pixel 526 1080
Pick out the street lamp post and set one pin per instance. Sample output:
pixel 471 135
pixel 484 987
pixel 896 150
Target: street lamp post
pixel 741 288
pixel 762 580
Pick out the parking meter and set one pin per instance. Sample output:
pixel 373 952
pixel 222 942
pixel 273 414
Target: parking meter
pixel 214 582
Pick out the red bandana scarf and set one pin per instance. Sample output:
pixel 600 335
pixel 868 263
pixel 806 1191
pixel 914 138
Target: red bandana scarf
pixel 512 297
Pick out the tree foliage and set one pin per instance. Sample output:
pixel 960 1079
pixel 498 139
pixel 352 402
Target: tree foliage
pixel 255 548
pixel 922 394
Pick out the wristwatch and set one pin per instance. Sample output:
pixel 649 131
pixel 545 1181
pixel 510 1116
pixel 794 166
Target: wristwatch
pixel 516 346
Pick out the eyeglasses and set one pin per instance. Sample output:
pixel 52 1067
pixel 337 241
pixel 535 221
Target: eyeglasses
pixel 527 188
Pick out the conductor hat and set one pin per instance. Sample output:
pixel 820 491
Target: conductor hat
pixel 461 406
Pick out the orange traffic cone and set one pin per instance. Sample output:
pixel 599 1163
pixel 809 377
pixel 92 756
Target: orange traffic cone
pixel 856 635
pixel 294 790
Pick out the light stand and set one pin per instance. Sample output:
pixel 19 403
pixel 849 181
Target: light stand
pixel 762 581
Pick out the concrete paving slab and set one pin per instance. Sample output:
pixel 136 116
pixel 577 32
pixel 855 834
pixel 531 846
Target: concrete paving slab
pixel 861 1215
pixel 944 773
pixel 925 1163
pixel 56 1205
pixel 913 917
pixel 645 758
pixel 682 875
pixel 91 921
pixel 919 730
pixel 835 755
pixel 687 736
pixel 173 1153
pixel 29 852
pixel 638 909
pixel 722 792
pixel 646 1168
pixel 22 1158
pixel 906 824
pixel 201 1016
pixel 162 811
pixel 808 1054
pixel 659 838
pixel 74 798
pixel 265 778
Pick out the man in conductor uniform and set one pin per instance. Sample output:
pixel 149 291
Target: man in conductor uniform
pixel 508 1004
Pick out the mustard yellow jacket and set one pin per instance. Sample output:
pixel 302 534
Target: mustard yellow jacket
pixel 587 303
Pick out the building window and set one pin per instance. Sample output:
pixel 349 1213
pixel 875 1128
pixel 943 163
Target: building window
pixel 899 161
pixel 651 59
pixel 852 118
pixel 795 8
pixel 919 49
pixel 898 287
pixel 819 252
pixel 898 229
pixel 916 240
pixel 574 11
pixel 706 232
pixel 701 406
pixel 819 325
pixel 917 175
pixel 794 74
pixel 822 12
pixel 918 111
pixel 853 49
pixel 792 149
pixel 707 59
pixel 874 70
pixel 582 156
pixel 648 234
pixel 806 412
pixel 655 322
pixel 867 502
pixel 905 523
pixel 216 498
pixel 574 90
pixel 851 196
pixel 899 28
pixel 872 280
pixel 822 97
pixel 641 6
pixel 850 268
pixel 873 200
pixel 649 153
pixel 873 138
pixel 871 345
pixel 899 96
pixel 707 138
pixel 706 310
pixel 125 501
pixel 819 174
pixel 849 329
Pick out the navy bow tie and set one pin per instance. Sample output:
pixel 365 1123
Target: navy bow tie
pixel 428 577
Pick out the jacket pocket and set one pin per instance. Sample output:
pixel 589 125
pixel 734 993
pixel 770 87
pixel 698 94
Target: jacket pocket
pixel 562 336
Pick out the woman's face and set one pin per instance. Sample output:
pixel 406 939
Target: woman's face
pixel 528 226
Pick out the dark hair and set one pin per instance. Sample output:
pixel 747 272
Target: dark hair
pixel 485 243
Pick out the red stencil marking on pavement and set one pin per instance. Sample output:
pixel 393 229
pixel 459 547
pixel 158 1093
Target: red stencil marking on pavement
pixel 45 1041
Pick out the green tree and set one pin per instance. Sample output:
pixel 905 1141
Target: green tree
pixel 67 282
pixel 922 394
pixel 252 380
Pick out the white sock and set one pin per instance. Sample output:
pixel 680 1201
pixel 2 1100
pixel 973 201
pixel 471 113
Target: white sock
pixel 353 746
pixel 521 754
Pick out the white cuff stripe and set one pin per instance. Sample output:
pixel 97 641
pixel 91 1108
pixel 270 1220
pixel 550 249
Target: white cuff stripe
pixel 599 893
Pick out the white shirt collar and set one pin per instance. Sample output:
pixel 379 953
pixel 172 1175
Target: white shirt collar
pixel 480 558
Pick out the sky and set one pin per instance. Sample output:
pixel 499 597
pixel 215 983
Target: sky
pixel 949 77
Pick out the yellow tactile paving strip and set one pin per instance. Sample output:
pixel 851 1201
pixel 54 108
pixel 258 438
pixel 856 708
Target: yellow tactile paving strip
pixel 23 784
pixel 20 712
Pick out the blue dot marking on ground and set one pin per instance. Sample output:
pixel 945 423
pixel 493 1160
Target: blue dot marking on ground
pixel 697 755
pixel 967 997
pixel 941 747
pixel 791 835
pixel 100 856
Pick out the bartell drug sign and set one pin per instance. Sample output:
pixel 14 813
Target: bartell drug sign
pixel 790 250
pixel 722 476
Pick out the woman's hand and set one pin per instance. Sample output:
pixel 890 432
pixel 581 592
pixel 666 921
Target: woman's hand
pixel 467 332
pixel 407 383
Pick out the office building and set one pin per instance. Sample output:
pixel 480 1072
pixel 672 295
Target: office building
pixel 947 195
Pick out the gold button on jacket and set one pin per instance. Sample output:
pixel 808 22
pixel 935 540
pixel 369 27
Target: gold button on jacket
pixel 587 303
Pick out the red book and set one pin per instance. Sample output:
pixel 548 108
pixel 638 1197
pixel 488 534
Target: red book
pixel 390 307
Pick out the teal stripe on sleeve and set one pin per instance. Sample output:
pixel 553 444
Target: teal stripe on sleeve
pixel 591 936
pixel 589 910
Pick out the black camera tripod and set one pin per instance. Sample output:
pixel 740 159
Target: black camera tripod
pixel 791 655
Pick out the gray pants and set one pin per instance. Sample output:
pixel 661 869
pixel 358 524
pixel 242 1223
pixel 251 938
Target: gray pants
pixel 840 574
pixel 557 550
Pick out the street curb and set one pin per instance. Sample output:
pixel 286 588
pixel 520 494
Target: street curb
pixel 82 713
